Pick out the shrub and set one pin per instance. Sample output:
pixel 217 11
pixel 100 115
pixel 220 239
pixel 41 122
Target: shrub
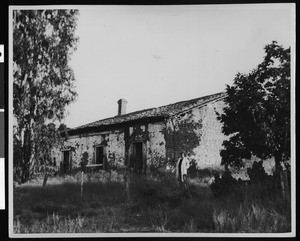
pixel 260 186
pixel 226 185
pixel 195 172
pixel 264 185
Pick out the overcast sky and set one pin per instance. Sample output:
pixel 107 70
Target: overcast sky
pixel 157 55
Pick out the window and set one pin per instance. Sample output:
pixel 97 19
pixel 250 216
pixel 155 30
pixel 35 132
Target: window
pixel 100 158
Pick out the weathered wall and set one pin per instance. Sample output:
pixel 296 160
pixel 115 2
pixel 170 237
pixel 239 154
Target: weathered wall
pixel 116 149
pixel 207 153
pixel 114 142
pixel 138 133
pixel 156 145
pixel 152 135
pixel 198 133
pixel 180 135
pixel 117 144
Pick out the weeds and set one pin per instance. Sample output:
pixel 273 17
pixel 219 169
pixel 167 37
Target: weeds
pixel 253 219
pixel 52 224
pixel 158 205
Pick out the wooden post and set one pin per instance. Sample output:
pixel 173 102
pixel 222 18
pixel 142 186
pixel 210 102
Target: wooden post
pixel 144 151
pixel 284 185
pixel 81 190
pixel 127 184
pixel 45 179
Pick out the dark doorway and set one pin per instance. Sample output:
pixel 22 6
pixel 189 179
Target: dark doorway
pixel 66 162
pixel 138 157
pixel 100 156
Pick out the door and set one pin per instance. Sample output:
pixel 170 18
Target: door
pixel 138 157
pixel 66 162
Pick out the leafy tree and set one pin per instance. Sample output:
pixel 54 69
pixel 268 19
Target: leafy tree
pixel 43 86
pixel 47 137
pixel 257 115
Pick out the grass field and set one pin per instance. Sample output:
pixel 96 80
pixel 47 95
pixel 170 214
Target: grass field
pixel 155 205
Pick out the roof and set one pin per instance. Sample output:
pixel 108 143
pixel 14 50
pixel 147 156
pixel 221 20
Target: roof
pixel 159 112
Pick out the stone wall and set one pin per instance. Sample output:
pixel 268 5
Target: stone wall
pixel 113 141
pixel 156 145
pixel 116 142
pixel 207 153
pixel 198 133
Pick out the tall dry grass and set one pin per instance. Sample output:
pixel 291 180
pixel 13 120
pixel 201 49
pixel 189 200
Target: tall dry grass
pixel 157 204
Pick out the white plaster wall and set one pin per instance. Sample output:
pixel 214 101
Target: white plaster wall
pixel 82 145
pixel 115 144
pixel 116 148
pixel 207 153
pixel 156 145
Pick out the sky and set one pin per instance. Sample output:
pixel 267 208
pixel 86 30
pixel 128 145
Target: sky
pixel 158 55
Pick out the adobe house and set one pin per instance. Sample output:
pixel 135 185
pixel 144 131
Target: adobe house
pixel 149 138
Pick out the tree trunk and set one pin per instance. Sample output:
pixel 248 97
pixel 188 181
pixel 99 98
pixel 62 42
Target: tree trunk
pixel 278 158
pixel 26 156
pixel 285 186
pixel 281 177
pixel 278 169
pixel 81 185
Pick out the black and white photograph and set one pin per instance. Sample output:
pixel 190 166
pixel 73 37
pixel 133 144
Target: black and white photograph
pixel 152 120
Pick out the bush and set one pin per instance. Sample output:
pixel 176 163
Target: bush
pixel 195 172
pixel 226 185
pixel 264 185
pixel 260 186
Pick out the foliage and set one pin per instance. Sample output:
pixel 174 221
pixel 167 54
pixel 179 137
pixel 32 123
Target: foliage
pixel 195 172
pixel 114 163
pixel 157 165
pixel 84 161
pixel 257 116
pixel 43 86
pixel 260 186
pixel 226 185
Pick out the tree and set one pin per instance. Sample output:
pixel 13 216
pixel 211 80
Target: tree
pixel 43 86
pixel 257 115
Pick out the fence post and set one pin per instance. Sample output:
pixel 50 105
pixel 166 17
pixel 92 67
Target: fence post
pixel 285 186
pixel 81 189
pixel 45 179
pixel 127 181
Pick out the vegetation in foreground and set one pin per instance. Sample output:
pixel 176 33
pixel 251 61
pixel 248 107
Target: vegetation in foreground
pixel 156 204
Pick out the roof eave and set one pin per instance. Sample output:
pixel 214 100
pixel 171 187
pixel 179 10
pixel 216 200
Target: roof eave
pixel 114 126
pixel 198 106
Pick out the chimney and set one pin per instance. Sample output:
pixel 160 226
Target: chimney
pixel 122 106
